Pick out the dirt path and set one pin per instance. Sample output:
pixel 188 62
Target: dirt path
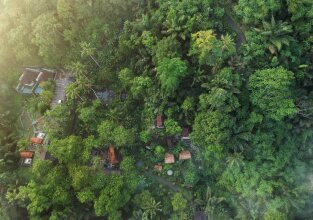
pixel 163 181
pixel 170 185
pixel 241 39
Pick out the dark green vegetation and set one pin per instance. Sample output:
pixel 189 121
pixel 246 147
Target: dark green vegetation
pixel 240 73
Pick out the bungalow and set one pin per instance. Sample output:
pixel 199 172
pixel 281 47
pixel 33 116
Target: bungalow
pixel 169 158
pixel 184 155
pixel 31 78
pixel 27 157
pixel 40 135
pixel 159 122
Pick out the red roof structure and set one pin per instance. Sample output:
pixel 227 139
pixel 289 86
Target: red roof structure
pixel 169 158
pixel 114 157
pixel 36 140
pixel 159 121
pixel 26 154
pixel 185 155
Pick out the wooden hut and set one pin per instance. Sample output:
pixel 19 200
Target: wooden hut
pixel 169 158
pixel 185 155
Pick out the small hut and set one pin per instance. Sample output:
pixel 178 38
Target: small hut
pixel 169 158
pixel 184 155
pixel 158 167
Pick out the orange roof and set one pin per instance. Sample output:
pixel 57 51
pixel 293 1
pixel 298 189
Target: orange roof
pixel 158 167
pixel 112 155
pixel 26 154
pixel 35 140
pixel 185 155
pixel 169 158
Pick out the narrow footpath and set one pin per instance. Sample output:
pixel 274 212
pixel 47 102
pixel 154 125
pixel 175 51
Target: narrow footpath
pixel 169 184
pixel 241 39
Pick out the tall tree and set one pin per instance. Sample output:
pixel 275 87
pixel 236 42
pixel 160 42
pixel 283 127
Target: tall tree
pixel 271 92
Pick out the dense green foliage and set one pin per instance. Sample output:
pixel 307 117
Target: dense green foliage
pixel 239 73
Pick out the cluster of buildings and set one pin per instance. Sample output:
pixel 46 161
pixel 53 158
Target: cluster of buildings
pixel 30 83
pixel 36 145
pixel 32 77
pixel 169 158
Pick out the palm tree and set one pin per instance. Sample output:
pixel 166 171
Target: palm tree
pixel 276 34
pixel 235 159
pixel 88 50
pixel 241 138
pixel 77 68
pixel 138 215
pixel 227 43
pixel 211 205
pixel 151 208
pixel 79 88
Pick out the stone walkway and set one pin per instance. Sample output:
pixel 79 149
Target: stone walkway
pixel 59 92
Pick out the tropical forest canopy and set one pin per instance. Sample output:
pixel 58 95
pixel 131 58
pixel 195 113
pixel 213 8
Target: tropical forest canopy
pixel 238 73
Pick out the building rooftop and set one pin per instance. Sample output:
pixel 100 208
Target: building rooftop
pixel 114 156
pixel 36 140
pixel 26 154
pixel 32 77
pixel 27 161
pixel 169 158
pixel 185 155
pixel 158 167
pixel 28 77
